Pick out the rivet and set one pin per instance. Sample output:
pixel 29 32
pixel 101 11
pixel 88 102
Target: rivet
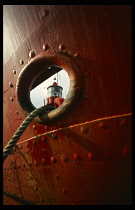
pixel 11 99
pixel 26 144
pixel 84 130
pixel 16 112
pixel 18 166
pixel 35 163
pixel 23 164
pixel 102 126
pixel 64 191
pixel 76 55
pixel 46 128
pixel 77 157
pixel 34 127
pixel 90 155
pixel 20 147
pixel 64 159
pixel 45 47
pixel 35 142
pixel 29 163
pixel 11 85
pixel 21 62
pixel 41 200
pixel 31 177
pixel 32 54
pixel 126 150
pixel 53 160
pixel 61 47
pixel 44 140
pixel 36 187
pixel 43 13
pixel 14 72
pixel 43 162
pixel 52 136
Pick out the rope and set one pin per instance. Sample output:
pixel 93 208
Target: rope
pixel 21 129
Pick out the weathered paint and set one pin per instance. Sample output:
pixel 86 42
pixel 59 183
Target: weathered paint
pixel 78 162
pixel 95 137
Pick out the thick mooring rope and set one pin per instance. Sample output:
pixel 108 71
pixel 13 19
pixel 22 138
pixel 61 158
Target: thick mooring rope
pixel 21 129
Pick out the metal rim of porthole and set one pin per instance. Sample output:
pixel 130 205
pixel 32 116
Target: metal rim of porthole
pixel 39 64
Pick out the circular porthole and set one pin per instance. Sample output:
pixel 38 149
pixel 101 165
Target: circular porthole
pixel 36 68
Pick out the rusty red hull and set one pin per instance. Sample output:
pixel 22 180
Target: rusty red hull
pixel 85 157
